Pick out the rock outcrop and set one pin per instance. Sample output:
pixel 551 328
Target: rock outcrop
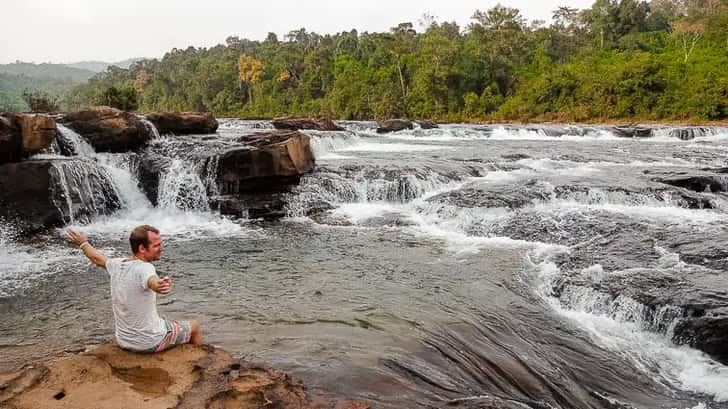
pixel 186 377
pixel 294 124
pixel 22 135
pixel 394 125
pixel 687 134
pixel 705 182
pixel 254 179
pixel 267 162
pixel 632 131
pixel 109 129
pixel 426 124
pixel 183 123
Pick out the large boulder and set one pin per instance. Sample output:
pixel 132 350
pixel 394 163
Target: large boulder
pixel 183 123
pixel 394 125
pixel 254 180
pixel 109 129
pixel 22 135
pixel 39 132
pixel 39 194
pixel 317 124
pixel 267 162
pixel 186 377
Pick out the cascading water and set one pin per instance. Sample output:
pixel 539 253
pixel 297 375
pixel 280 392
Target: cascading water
pixel 73 143
pixel 545 264
pixel 180 187
pixel 150 127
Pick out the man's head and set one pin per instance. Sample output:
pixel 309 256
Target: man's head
pixel 146 244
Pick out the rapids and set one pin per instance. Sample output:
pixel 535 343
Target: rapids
pixel 423 268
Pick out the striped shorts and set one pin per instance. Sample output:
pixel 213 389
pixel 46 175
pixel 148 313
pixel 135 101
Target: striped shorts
pixel 178 333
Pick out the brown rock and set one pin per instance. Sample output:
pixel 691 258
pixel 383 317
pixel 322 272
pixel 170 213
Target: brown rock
pixel 394 125
pixel 39 132
pixel 317 124
pixel 426 124
pixel 183 123
pixel 271 160
pixel 186 377
pixel 109 129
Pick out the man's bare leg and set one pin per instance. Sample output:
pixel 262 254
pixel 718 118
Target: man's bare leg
pixel 196 336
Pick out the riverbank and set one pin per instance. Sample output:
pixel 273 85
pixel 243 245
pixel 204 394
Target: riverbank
pixel 184 377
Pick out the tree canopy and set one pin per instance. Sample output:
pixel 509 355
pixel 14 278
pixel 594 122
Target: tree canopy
pixel 619 59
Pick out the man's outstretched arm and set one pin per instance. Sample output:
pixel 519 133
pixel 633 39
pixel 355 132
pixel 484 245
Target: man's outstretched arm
pixel 81 240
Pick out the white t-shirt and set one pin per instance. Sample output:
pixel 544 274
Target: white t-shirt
pixel 138 326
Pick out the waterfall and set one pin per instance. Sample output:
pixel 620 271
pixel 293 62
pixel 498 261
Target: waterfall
pixel 150 127
pixel 72 143
pixel 181 187
pixel 82 189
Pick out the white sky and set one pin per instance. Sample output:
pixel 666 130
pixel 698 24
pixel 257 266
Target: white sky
pixel 113 30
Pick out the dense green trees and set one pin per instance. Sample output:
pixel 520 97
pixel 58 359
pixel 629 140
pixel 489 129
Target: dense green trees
pixel 620 59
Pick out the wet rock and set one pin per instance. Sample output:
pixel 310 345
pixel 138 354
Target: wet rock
pixel 632 131
pixel 269 162
pixel 11 140
pixel 394 125
pixel 426 124
pixel 183 123
pixel 109 129
pixel 699 183
pixel 317 124
pixel 149 173
pixel 690 133
pixel 186 377
pixel 269 206
pixel 39 194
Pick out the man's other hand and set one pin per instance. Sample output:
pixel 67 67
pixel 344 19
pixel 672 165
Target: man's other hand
pixel 160 285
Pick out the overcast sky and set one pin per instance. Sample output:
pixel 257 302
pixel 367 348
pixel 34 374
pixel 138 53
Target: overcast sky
pixel 75 30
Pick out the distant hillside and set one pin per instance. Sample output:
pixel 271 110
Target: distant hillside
pixel 98 66
pixel 54 71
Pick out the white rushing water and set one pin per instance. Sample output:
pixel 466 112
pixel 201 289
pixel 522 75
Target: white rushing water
pixel 619 328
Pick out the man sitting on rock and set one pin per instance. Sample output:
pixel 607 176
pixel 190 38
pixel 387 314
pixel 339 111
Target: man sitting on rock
pixel 134 288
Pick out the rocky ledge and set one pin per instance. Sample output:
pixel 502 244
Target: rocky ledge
pixel 185 377
pixel 316 124
pixel 183 123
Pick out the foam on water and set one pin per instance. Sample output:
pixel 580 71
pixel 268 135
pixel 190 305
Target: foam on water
pixel 173 223
pixel 22 265
pixel 654 353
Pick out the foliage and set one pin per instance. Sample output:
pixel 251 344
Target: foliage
pixel 122 98
pixel 39 101
pixel 619 59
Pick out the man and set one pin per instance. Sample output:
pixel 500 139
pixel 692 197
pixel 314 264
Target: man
pixel 134 289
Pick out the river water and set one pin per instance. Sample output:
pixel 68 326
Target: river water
pixel 428 281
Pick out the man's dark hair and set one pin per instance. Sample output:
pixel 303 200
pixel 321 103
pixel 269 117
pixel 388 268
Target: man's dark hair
pixel 140 237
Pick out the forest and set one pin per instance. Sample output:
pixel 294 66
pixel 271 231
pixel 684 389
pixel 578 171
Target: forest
pixel 618 60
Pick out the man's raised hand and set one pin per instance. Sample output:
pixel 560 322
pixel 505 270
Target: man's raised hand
pixel 76 237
